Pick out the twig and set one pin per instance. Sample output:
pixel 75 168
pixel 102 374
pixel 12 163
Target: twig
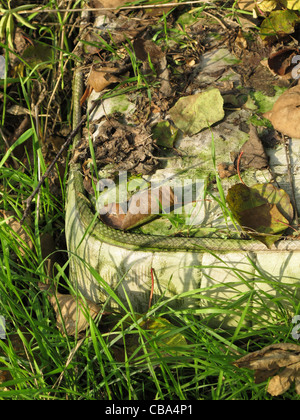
pixel 48 171
pixel 99 9
pixel 152 288
pixel 216 18
pixel 238 167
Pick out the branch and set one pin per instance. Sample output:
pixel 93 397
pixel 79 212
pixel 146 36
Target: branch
pixel 50 168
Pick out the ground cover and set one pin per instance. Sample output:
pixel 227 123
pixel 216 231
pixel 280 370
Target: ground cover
pixel 58 345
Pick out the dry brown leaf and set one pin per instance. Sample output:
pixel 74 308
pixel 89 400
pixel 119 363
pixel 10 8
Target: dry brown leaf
pixel 156 11
pixel 279 361
pixel 71 313
pixel 100 79
pixel 246 5
pixel 280 62
pixel 15 225
pixel 281 383
pixel 285 115
pixel 226 170
pixel 143 207
pixel 147 49
pixel 240 40
pixel 254 155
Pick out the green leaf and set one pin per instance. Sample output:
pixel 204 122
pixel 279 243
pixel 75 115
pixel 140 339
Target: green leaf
pixel 24 21
pixel 38 54
pixel 164 134
pixel 192 114
pixel 10 32
pixel 3 23
pixel 24 7
pixel 278 22
pixel 263 210
pixel 265 103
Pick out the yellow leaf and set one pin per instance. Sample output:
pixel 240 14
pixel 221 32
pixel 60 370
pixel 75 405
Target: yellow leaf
pixel 291 4
pixel 268 5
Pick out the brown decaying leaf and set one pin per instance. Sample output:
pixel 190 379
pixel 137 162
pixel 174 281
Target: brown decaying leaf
pixel 129 148
pixel 141 208
pixel 147 49
pixel 254 155
pixel 280 361
pixel 246 5
pixel 72 314
pixel 280 62
pixel 11 220
pixel 100 79
pixel 263 210
pixel 226 170
pixel 285 115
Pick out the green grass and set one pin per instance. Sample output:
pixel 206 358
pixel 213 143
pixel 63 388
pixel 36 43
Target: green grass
pixel 116 357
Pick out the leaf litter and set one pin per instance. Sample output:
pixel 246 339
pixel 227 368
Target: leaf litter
pixel 280 362
pixel 147 132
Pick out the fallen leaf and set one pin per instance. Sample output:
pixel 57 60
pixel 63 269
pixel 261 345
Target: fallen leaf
pixel 152 55
pixel 278 23
pixel 17 344
pixel 246 5
pixel 157 330
pixel 280 62
pixel 162 328
pixel 240 40
pixel 142 207
pixel 291 4
pixel 268 5
pixel 280 361
pixel 259 211
pixel 72 314
pixel 39 55
pixel 146 48
pixel 19 233
pixel 285 115
pixel 165 134
pixel 263 103
pixel 254 155
pixel 100 79
pixel 107 4
pixel 192 114
pixel 226 170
